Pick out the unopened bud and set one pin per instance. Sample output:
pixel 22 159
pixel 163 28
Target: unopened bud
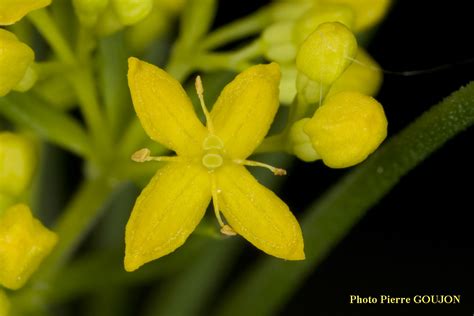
pixel 347 128
pixel 24 243
pixel 301 143
pixel 15 59
pixel 17 163
pixel 327 52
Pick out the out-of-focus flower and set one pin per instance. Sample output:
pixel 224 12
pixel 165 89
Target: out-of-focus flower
pixel 16 59
pixel 209 165
pixel 12 11
pixel 109 16
pixel 364 75
pixel 17 163
pixel 347 128
pixel 368 13
pixel 24 243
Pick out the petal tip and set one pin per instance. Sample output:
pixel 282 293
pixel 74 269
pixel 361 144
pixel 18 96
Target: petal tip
pixel 132 262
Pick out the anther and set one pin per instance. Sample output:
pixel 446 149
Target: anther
pixel 276 171
pixel 143 155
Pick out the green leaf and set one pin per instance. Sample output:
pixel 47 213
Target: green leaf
pixel 270 284
pixel 55 126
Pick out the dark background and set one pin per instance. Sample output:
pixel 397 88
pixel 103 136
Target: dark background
pixel 419 238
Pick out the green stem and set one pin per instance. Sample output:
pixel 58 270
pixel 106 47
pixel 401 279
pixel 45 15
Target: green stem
pixel 81 79
pixel 239 29
pixel 271 282
pixel 47 27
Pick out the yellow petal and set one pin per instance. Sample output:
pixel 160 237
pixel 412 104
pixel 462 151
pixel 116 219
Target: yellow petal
pixel 12 11
pixel 246 108
pixel 24 243
pixel 164 109
pixel 258 214
pixel 166 212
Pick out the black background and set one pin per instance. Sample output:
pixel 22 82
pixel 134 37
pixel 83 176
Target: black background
pixel 419 238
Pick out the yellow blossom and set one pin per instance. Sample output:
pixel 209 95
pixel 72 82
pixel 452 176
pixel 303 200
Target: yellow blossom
pixel 347 128
pixel 12 11
pixel 24 243
pixel 209 165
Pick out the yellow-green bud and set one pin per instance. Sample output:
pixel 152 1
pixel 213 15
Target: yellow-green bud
pixel 347 128
pixel 288 83
pixel 28 80
pixel 15 59
pixel 4 304
pixel 364 76
pixel 309 91
pixel 301 143
pixel 24 243
pixel 88 11
pixel 327 52
pixel 17 163
pixel 277 42
pixel 12 11
pixel 367 12
pixel 320 14
pixel 131 11
pixel 290 10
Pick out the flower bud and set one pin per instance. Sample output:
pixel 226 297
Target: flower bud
pixel 301 143
pixel 364 76
pixel 309 91
pixel 15 59
pixel 320 14
pixel 347 128
pixel 277 42
pixel 367 12
pixel 17 163
pixel 88 11
pixel 327 52
pixel 12 11
pixel 131 11
pixel 4 304
pixel 288 83
pixel 24 243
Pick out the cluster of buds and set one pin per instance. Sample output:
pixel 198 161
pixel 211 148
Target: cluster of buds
pixel 24 241
pixel 149 17
pixel 327 78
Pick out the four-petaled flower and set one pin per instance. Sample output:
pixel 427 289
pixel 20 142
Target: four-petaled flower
pixel 209 164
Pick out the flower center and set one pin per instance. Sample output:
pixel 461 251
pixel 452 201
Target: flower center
pixel 213 148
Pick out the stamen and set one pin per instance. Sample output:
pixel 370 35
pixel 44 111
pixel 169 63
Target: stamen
pixel 276 171
pixel 143 155
pixel 200 93
pixel 225 229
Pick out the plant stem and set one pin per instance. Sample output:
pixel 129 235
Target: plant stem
pixel 239 29
pixel 269 285
pixel 47 27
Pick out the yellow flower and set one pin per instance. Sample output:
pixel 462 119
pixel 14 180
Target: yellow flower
pixel 12 11
pixel 209 165
pixel 347 128
pixel 24 243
